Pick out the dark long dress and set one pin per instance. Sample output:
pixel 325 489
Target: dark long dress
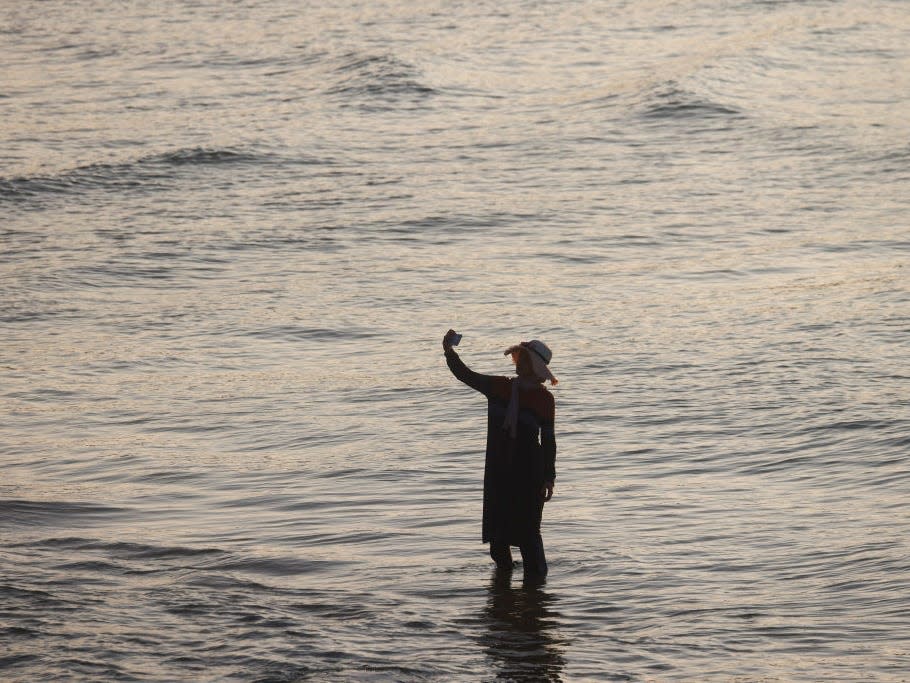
pixel 516 468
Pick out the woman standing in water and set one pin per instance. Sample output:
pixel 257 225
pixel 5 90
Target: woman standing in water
pixel 520 465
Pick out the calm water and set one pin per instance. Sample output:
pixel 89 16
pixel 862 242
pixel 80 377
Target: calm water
pixel 233 234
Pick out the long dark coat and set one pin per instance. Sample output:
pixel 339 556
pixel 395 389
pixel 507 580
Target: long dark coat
pixel 515 468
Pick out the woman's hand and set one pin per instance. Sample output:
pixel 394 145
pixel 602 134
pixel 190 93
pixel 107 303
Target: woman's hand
pixel 447 340
pixel 546 491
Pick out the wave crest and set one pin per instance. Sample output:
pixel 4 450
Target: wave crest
pixel 156 171
pixel 671 102
pixel 381 78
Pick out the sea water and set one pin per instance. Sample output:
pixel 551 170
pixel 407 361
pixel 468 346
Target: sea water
pixel 234 233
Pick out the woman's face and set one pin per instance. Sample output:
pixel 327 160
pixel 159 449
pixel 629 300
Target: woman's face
pixel 523 365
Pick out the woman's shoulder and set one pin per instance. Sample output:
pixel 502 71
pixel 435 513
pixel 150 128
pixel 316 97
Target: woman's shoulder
pixel 501 387
pixel 541 402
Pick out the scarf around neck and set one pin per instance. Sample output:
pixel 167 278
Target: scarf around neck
pixel 510 424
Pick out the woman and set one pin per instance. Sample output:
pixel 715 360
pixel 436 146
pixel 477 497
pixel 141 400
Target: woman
pixel 520 468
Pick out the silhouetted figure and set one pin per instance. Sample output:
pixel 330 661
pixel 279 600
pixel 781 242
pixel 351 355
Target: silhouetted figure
pixel 520 468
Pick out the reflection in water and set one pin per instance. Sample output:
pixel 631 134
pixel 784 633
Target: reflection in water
pixel 519 639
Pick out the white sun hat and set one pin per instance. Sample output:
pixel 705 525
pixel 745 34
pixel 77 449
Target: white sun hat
pixel 540 356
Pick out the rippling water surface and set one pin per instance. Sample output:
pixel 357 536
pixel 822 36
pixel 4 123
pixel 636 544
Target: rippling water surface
pixel 233 235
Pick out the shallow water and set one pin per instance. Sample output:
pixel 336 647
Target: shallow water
pixel 234 234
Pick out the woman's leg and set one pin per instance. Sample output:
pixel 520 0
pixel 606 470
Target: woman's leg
pixel 532 555
pixel 501 554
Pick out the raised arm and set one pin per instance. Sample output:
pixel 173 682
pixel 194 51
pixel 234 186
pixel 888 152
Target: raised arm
pixel 461 371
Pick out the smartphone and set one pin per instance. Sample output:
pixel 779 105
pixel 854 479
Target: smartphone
pixel 454 339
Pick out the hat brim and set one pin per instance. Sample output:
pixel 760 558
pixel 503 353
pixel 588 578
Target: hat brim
pixel 540 368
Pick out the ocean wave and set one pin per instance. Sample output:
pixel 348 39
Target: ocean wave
pixel 276 566
pixel 379 78
pixel 38 513
pixel 149 173
pixel 891 164
pixel 201 155
pixel 672 102
pixel 121 550
pixel 294 332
